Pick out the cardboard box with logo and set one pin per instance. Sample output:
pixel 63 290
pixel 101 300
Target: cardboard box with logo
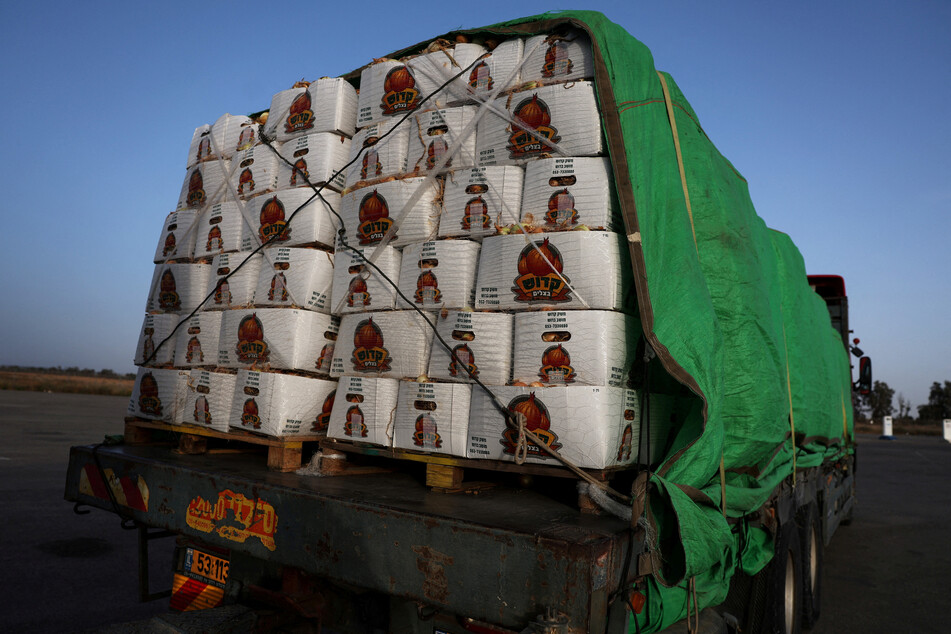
pixel 382 149
pixel 439 274
pixel 565 193
pixel 155 329
pixel 481 343
pixel 196 342
pixel 272 339
pixel 359 287
pixel 319 157
pixel 410 203
pixel 220 229
pixel 177 241
pixel 236 291
pixel 314 223
pixel 432 417
pixel 326 105
pixel 558 57
pixel 254 172
pixel 441 62
pixel 158 394
pixel 178 287
pixel 208 399
pixel 205 184
pixel 478 201
pixel 391 344
pixel 363 410
pixel 569 269
pixel 276 404
pixel 435 133
pixel 295 277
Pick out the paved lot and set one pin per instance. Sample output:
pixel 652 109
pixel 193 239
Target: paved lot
pixel 887 572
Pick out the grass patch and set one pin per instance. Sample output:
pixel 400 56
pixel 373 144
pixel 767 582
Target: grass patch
pixel 37 382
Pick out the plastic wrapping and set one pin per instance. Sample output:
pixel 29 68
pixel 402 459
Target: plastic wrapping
pixel 229 134
pixel 369 212
pixel 178 236
pixel 178 287
pixel 363 410
pixel 155 328
pixel 562 120
pixel 434 133
pixel 439 274
pixel 432 417
pixel 482 342
pixel 579 347
pixel 278 404
pixel 158 394
pixel 208 399
pixel 358 287
pixel 300 278
pixel 584 424
pixel 590 271
pixel 313 224
pixel 196 342
pixel 381 158
pixel 477 201
pixel 205 184
pixel 326 105
pixel 566 192
pixel 392 344
pixel 272 339
pixel 318 156
pixel 238 290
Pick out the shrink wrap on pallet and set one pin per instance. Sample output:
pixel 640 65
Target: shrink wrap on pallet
pixel 155 328
pixel 208 399
pixel 392 344
pixel 479 200
pixel 363 410
pixel 566 192
pixel 432 417
pixel 481 342
pixel 318 156
pixel 560 57
pixel 499 72
pixel 593 427
pixel 369 212
pixel 196 342
pixel 236 291
pixel 220 229
pixel 299 278
pixel 326 105
pixel 178 236
pixel 439 274
pixel 158 395
pixel 435 133
pixel 255 171
pixel 388 90
pixel 178 287
pixel 205 184
pixel 278 404
pixel 358 287
pixel 432 70
pixel 382 149
pixel 559 120
pixel 580 347
pixel 569 269
pixel 272 339
pixel 314 224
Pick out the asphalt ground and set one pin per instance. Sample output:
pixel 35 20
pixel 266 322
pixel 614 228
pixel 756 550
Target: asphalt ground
pixel 889 571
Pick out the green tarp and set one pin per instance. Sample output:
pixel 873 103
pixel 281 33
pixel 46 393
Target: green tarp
pixel 730 315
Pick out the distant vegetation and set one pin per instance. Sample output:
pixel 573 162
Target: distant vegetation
pixel 878 403
pixel 71 380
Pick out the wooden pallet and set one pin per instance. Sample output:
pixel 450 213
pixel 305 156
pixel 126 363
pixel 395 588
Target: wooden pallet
pixel 283 454
pixel 447 474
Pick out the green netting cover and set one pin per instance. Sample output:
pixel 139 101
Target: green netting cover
pixel 726 305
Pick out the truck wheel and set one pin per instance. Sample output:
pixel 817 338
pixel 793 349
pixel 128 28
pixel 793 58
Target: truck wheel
pixel 784 584
pixel 810 533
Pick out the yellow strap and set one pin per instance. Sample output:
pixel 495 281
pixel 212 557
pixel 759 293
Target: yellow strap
pixel 792 418
pixel 680 158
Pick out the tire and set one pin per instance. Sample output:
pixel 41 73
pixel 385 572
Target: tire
pixel 810 536
pixel 783 613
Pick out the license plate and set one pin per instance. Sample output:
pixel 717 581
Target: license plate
pixel 205 567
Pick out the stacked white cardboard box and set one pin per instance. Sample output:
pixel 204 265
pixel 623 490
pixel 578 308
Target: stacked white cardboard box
pixel 489 206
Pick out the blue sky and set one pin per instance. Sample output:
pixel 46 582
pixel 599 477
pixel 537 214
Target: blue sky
pixel 834 112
